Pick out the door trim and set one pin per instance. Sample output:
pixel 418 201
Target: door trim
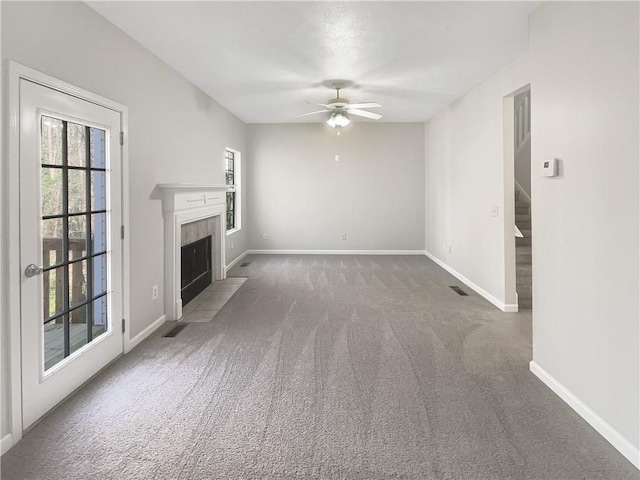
pixel 11 254
pixel 508 201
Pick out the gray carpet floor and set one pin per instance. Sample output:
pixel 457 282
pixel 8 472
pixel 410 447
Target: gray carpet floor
pixel 325 367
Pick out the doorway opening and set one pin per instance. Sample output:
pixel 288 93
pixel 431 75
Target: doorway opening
pixel 517 199
pixel 522 198
pixel 67 259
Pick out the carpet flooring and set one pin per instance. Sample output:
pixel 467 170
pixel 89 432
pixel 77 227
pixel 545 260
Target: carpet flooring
pixel 325 367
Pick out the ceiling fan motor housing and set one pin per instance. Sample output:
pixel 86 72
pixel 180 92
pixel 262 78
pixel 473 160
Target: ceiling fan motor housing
pixel 338 102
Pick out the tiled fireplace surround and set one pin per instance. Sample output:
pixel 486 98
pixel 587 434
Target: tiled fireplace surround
pixel 191 232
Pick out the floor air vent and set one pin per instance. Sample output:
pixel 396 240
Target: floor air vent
pixel 174 331
pixel 245 264
pixel 458 290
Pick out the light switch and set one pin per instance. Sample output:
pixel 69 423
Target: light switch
pixel 549 167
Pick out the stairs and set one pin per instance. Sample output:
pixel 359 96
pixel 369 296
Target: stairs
pixel 523 252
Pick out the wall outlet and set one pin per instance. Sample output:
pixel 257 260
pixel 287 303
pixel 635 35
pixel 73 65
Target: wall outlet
pixel 337 157
pixel 494 211
pixel 154 292
pixel 265 236
pixel 343 237
pixel 231 246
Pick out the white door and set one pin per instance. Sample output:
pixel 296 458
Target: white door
pixel 70 246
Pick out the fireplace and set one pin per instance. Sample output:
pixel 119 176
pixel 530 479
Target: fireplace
pixel 190 210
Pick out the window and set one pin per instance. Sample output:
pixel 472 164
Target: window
pixel 74 236
pixel 232 177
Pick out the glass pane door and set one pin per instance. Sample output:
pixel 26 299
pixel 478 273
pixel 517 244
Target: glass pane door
pixel 74 228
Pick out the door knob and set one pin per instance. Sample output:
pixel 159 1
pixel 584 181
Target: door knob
pixel 32 270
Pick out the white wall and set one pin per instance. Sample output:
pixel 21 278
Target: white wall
pixel 176 132
pixel 303 199
pixel 465 178
pixel 584 70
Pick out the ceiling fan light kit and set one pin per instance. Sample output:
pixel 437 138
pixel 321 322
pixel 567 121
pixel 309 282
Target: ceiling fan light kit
pixel 338 119
pixel 339 107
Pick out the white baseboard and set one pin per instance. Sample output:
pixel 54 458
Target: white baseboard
pixel 235 262
pixel 7 443
pixel 505 307
pixel 624 446
pixel 335 252
pixel 144 334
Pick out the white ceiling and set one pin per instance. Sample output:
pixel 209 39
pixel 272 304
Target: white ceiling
pixel 264 60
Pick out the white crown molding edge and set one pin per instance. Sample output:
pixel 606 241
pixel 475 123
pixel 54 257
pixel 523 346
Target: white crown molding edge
pixel 619 442
pixel 505 307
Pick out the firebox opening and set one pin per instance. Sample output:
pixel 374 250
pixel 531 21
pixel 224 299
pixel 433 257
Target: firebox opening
pixel 196 268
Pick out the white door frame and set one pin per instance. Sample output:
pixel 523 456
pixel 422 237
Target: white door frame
pixel 508 206
pixel 11 260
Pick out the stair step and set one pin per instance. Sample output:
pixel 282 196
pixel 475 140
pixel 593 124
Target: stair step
pixel 523 258
pixel 524 291
pixel 524 269
pixel 524 226
pixel 523 272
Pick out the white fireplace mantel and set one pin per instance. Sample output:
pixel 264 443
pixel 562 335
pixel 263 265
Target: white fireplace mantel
pixel 186 203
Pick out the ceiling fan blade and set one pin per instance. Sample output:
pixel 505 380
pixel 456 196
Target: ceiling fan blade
pixel 363 105
pixel 320 104
pixel 311 113
pixel 363 113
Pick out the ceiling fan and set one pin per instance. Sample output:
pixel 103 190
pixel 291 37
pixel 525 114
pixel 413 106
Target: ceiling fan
pixel 340 109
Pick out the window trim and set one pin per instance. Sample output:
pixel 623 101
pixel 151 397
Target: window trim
pixel 237 188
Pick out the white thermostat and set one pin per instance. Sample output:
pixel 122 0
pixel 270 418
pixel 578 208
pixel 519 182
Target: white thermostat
pixel 549 167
